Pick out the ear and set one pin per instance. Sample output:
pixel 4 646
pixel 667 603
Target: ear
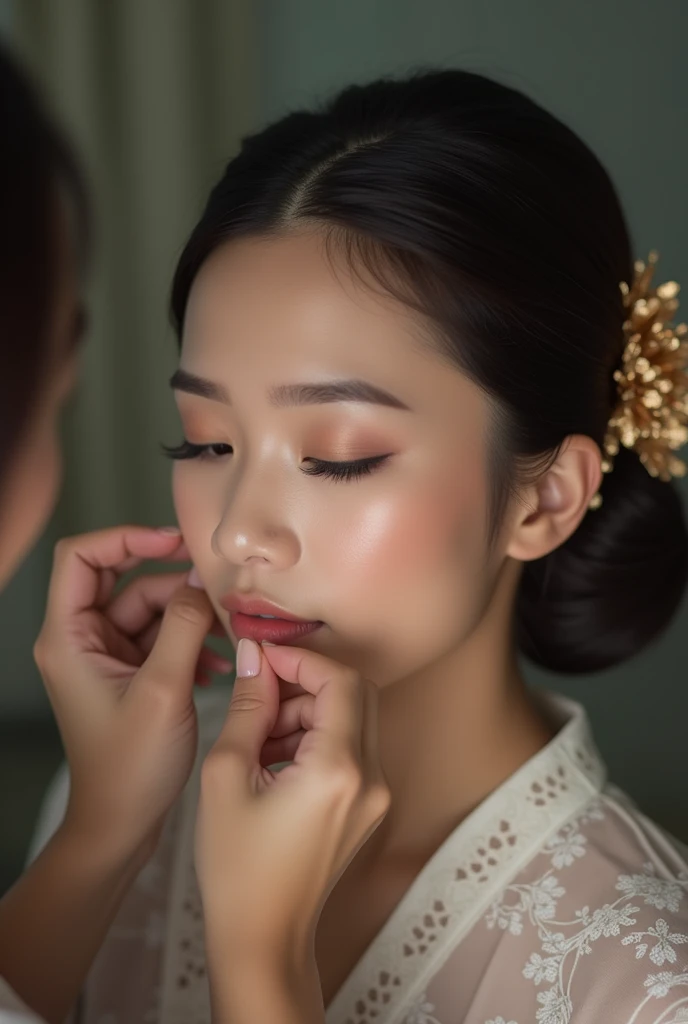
pixel 552 507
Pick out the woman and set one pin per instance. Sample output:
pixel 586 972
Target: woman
pixel 412 339
pixel 119 669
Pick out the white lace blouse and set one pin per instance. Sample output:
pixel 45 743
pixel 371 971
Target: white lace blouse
pixel 556 900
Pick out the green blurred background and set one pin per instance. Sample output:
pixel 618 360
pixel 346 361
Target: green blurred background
pixel 157 94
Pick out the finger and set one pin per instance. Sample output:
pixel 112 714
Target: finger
pixel 78 563
pixel 145 641
pixel 252 711
pixel 207 659
pixel 339 691
pixel 275 751
pixel 179 554
pixel 293 715
pixel 142 601
pixel 108 578
pixel 174 657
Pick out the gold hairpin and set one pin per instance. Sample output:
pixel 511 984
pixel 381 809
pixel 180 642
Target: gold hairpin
pixel 651 414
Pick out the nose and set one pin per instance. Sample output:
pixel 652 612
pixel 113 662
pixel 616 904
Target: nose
pixel 251 528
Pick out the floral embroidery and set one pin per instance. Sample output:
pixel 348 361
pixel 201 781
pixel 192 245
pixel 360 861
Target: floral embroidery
pixel 680 1016
pixel 663 950
pixel 505 917
pixel 421 1012
pixel 561 949
pixel 542 970
pixel 543 896
pixel 499 1020
pixel 661 893
pixel 554 1007
pixel 659 985
pixel 609 920
pixel 565 847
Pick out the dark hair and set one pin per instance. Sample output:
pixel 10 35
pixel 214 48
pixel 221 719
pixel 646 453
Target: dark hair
pixel 34 161
pixel 506 232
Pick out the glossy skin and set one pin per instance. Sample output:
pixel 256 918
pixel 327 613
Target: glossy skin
pixel 395 563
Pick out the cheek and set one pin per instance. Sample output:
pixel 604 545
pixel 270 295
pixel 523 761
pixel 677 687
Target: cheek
pixel 398 544
pixel 194 508
pixel 409 574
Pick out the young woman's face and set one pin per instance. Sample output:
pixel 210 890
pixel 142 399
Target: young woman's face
pixel 393 563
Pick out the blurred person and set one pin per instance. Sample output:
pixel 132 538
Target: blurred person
pixel 119 665
pixel 53 919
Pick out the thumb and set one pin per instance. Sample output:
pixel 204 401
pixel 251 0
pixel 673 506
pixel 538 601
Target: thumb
pixel 185 624
pixel 254 706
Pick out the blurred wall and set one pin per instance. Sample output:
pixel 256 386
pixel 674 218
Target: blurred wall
pixel 157 93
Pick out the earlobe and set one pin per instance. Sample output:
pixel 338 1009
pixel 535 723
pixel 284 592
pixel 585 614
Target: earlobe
pixel 554 505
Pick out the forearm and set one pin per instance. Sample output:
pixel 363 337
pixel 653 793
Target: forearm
pixel 54 920
pixel 245 989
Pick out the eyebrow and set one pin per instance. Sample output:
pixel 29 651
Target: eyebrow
pixel 294 394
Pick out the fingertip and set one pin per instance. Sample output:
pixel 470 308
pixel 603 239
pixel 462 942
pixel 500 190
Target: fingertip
pixel 194 579
pixel 248 659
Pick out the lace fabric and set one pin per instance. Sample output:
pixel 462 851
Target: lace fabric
pixel 555 900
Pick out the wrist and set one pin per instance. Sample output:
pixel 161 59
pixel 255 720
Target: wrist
pixel 272 983
pixel 105 851
pixel 270 947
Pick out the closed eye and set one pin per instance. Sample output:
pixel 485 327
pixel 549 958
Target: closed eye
pixel 345 470
pixel 187 450
pixel 317 467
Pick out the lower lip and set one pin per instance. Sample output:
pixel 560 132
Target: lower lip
pixel 275 631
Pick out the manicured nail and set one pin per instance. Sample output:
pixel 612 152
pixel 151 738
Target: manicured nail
pixel 267 643
pixel 172 531
pixel 248 658
pixel 194 580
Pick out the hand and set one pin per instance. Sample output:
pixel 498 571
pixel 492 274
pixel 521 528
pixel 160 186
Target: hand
pixel 271 846
pixel 119 671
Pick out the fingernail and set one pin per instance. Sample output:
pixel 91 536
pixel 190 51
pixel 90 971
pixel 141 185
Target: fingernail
pixel 267 643
pixel 173 531
pixel 248 658
pixel 194 580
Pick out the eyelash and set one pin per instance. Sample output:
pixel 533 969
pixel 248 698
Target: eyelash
pixel 332 470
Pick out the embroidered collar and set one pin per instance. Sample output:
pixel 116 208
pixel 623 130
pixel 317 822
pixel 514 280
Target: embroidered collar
pixel 483 853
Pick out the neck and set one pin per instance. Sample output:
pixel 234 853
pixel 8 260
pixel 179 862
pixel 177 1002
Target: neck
pixel 451 735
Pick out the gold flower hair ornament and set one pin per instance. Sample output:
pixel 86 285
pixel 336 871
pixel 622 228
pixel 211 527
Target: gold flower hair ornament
pixel 651 414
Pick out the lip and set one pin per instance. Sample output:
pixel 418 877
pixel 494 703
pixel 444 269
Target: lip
pixel 245 623
pixel 257 606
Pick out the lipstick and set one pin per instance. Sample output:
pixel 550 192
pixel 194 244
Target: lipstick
pixel 257 619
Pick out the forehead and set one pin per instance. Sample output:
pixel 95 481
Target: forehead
pixel 282 309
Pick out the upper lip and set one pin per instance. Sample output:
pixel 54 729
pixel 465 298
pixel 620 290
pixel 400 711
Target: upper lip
pixel 257 606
